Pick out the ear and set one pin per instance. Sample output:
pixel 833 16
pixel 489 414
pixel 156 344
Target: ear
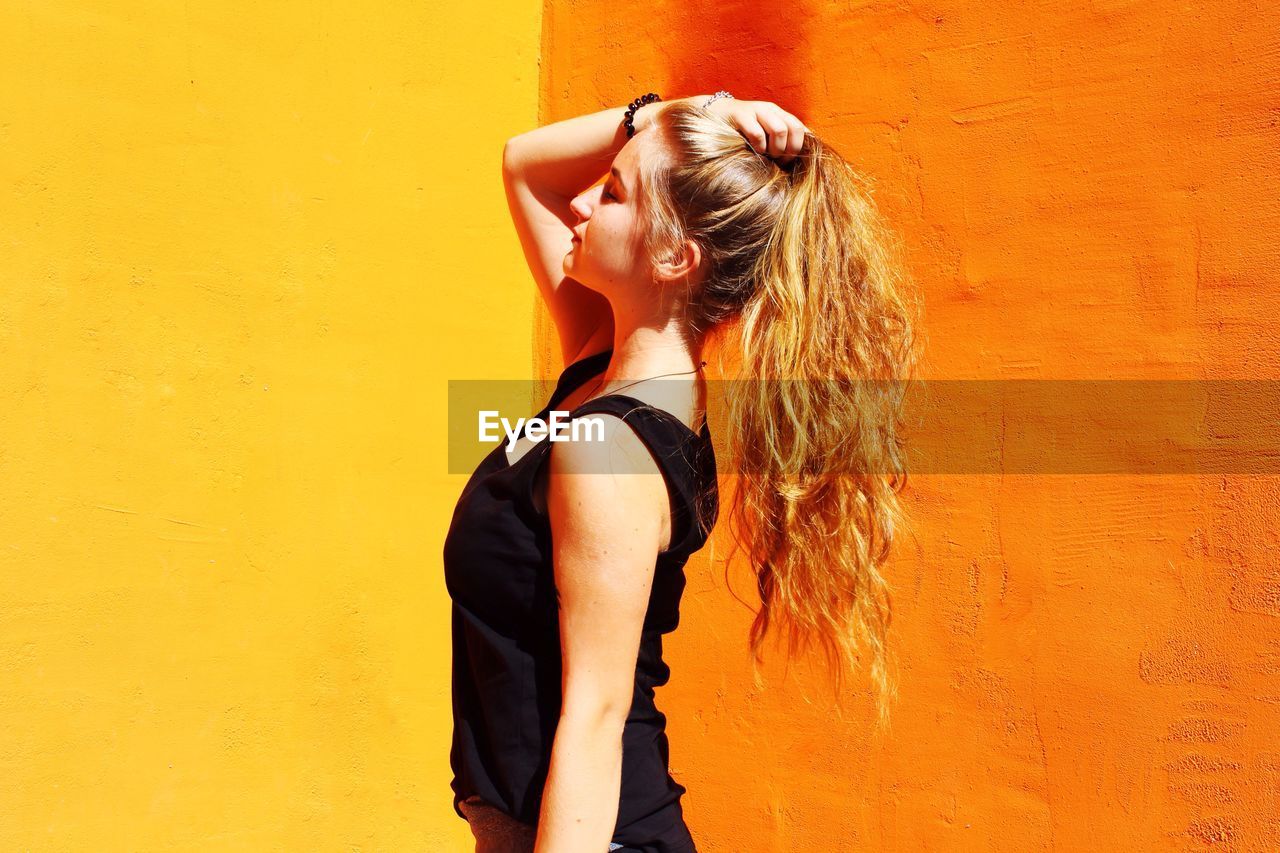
pixel 680 264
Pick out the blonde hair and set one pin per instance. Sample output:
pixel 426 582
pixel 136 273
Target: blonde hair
pixel 798 259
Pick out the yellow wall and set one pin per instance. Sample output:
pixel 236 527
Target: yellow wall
pixel 244 246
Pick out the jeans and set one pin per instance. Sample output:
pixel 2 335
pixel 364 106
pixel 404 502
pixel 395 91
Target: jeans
pixel 498 832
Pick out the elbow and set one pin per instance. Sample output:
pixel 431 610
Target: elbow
pixel 511 156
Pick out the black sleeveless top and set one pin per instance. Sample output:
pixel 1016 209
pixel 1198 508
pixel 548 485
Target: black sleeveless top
pixel 506 640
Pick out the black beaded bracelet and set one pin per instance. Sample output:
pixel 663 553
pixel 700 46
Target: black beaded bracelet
pixel 639 102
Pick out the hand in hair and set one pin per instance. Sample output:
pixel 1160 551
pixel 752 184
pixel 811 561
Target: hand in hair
pixel 768 128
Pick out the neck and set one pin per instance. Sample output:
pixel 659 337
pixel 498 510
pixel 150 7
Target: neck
pixel 649 349
pixel 663 356
pixel 641 352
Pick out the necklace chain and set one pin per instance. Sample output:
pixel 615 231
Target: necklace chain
pixel 600 381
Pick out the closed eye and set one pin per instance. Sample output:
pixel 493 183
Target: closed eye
pixel 610 195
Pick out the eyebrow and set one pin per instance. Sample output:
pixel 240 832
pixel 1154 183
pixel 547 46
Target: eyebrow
pixel 613 170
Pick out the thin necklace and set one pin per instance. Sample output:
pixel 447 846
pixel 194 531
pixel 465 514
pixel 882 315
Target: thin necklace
pixel 638 381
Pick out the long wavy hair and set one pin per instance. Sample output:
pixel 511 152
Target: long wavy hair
pixel 801 265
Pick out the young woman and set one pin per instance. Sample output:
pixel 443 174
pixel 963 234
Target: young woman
pixel 565 559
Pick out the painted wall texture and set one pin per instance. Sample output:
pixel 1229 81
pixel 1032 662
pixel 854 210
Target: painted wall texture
pixel 1087 191
pixel 244 246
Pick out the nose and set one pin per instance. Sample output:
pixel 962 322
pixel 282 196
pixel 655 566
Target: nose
pixel 581 204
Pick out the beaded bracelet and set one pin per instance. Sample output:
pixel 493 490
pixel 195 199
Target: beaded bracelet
pixel 631 111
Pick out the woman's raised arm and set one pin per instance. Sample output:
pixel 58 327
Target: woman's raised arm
pixel 542 171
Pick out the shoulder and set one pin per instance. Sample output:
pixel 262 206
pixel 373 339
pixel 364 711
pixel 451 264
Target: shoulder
pixel 601 443
pixel 606 474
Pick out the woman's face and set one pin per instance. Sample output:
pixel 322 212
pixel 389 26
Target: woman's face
pixel 606 255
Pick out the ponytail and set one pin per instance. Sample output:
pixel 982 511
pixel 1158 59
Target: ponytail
pixel 799 256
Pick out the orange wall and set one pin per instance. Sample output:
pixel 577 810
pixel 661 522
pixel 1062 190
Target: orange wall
pixel 1089 191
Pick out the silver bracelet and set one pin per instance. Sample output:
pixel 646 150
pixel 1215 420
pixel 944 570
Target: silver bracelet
pixel 721 94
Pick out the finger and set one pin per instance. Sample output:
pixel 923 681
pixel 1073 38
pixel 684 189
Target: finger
pixel 795 142
pixel 755 134
pixel 782 138
pixel 778 133
pixel 798 127
pixel 788 140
